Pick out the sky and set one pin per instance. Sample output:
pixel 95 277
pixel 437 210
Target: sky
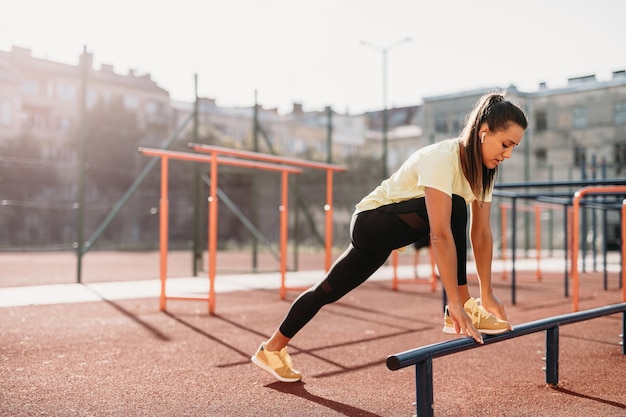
pixel 313 52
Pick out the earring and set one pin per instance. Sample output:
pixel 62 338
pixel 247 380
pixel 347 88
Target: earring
pixel 482 138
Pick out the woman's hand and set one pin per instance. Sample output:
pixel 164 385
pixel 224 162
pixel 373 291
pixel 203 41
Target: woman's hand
pixel 463 323
pixel 492 304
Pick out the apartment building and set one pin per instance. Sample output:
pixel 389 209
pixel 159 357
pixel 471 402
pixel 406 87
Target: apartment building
pixel 45 98
pixel 576 131
pixel 300 133
pixel 569 127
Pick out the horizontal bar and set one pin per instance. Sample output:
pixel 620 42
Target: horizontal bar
pixel 265 157
pixel 194 157
pixel 581 183
pixel 415 356
pixel 174 297
pixel 510 194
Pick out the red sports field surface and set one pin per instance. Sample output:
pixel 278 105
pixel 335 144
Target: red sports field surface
pixel 127 358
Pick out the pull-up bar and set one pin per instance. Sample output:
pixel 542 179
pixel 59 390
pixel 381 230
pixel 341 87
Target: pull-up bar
pixel 329 168
pixel 579 195
pixel 422 357
pixel 214 160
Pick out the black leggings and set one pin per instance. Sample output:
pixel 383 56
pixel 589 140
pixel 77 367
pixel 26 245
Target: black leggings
pixel 374 235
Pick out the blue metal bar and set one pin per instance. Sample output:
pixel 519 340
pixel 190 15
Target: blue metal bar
pixel 552 355
pixel 424 388
pixel 623 333
pixel 422 357
pixel 566 247
pixel 413 356
pixel 513 248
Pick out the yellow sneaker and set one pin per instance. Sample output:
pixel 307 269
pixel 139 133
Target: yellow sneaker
pixel 484 321
pixel 276 363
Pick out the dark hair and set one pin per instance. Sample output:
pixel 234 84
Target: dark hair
pixel 499 114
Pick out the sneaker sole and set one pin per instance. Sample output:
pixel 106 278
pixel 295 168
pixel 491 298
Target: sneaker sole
pixel 271 371
pixel 450 330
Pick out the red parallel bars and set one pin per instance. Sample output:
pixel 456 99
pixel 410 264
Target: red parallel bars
pixel 330 168
pixel 432 280
pixel 576 235
pixel 214 160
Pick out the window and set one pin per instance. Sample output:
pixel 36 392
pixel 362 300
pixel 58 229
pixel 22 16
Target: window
pixel 64 123
pixel 620 157
pixel 152 108
pixel 6 113
pixel 541 156
pixel 580 157
pixel 92 98
pixel 440 123
pixel 541 121
pixel 66 92
pixel 30 88
pixel 397 118
pixel 131 102
pixel 620 113
pixel 457 123
pixel 579 116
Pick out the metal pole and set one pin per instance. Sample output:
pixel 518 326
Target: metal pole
pixel 212 209
pixel 197 251
pixel 527 174
pixel 284 229
pixel 594 228
pixel 80 204
pixel 384 52
pixel 255 213
pixel 513 246
pixel 552 355
pixel 385 171
pixel 566 248
pixel 163 231
pixel 424 388
pixel 329 134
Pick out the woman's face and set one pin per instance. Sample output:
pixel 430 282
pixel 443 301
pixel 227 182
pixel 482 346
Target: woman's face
pixel 496 146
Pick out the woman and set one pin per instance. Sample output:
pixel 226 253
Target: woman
pixel 429 194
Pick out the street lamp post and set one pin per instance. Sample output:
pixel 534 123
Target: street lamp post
pixel 384 52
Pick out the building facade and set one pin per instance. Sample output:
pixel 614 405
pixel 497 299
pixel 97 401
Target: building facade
pixel 45 98
pixel 577 131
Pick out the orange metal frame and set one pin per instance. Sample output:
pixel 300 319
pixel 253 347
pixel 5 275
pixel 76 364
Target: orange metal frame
pixel 536 208
pixel 579 195
pixel 432 280
pixel 214 160
pixel 329 168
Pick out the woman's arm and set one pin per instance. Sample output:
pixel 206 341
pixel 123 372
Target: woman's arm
pixel 482 246
pixel 439 208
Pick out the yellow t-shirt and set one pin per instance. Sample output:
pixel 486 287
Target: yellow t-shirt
pixel 437 166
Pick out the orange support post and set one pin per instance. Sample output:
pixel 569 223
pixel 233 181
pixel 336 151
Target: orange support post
pixel 330 168
pixel 212 233
pixel 395 281
pixel 329 219
pixel 163 231
pixel 576 232
pixel 283 235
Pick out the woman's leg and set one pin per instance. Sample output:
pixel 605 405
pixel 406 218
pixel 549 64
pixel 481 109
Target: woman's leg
pixel 374 234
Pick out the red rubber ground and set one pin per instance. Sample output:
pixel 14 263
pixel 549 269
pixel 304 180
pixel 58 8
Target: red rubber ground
pixel 127 358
